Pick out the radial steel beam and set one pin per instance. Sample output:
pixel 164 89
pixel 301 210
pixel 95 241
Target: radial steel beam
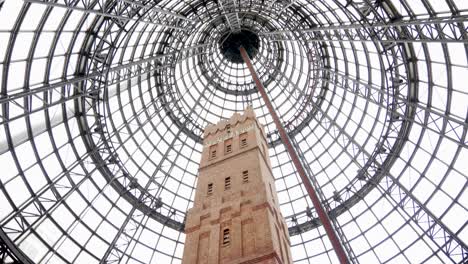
pixel 323 215
pixel 440 29
pixel 135 12
pixel 158 10
pixel 19 137
pixel 403 23
pixel 131 69
pixel 229 9
pixel 116 73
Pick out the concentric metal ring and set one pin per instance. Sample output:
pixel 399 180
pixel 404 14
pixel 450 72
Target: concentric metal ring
pixel 103 104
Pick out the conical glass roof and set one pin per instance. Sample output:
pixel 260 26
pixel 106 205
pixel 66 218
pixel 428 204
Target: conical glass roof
pixel 103 106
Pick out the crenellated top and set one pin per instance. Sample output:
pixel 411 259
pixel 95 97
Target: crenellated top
pixel 236 118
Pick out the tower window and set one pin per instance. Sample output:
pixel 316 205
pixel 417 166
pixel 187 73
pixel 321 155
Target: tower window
pixel 210 189
pixel 243 140
pixel 245 176
pixel 228 128
pixel 213 151
pixel 228 146
pixel 227 183
pixel 226 237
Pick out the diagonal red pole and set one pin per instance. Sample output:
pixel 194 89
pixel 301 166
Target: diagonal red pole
pixel 323 216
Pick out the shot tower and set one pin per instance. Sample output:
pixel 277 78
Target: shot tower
pixel 236 216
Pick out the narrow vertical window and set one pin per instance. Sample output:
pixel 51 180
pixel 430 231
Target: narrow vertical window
pixel 210 189
pixel 213 151
pixel 243 140
pixel 227 183
pixel 228 128
pixel 228 146
pixel 245 176
pixel 226 237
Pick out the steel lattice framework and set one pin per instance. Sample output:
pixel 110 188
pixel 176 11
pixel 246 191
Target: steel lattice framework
pixel 104 102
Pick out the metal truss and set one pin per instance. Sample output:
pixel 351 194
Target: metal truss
pixel 121 242
pixel 103 105
pixel 373 95
pixel 229 10
pixel 446 241
pixel 63 91
pixel 54 195
pixel 123 11
pixel 431 226
pixel 116 74
pixel 439 29
pixel 9 254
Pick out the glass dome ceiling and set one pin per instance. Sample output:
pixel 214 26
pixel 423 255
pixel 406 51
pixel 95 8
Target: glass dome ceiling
pixel 103 106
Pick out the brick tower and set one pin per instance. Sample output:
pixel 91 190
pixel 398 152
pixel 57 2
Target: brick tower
pixel 236 216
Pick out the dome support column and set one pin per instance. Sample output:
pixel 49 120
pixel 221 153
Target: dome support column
pixel 323 216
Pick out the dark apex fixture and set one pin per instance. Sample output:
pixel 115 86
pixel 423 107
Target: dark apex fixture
pixel 230 43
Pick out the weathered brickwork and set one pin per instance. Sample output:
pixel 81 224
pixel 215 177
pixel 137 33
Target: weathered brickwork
pixel 236 217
